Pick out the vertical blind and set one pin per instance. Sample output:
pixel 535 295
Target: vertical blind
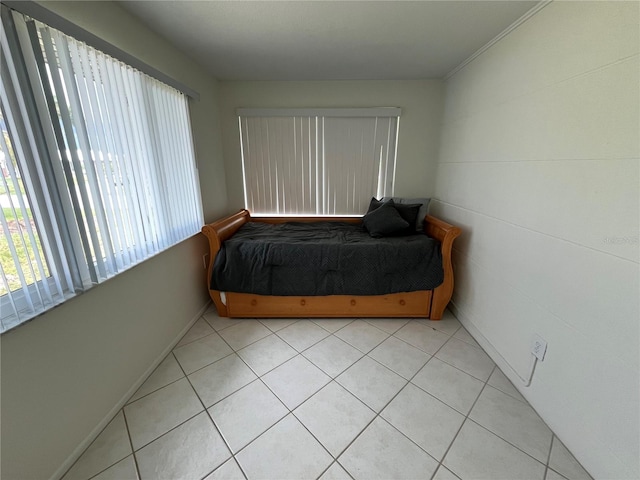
pixel 98 168
pixel 317 161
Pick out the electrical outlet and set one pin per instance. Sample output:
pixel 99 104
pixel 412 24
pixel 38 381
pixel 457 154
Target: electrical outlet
pixel 204 260
pixel 538 347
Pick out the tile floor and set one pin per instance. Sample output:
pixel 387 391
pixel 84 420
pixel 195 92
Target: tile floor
pixel 329 399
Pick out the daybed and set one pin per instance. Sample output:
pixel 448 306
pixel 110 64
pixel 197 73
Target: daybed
pixel 423 303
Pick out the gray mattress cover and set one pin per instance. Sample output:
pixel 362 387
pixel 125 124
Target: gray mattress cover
pixel 324 258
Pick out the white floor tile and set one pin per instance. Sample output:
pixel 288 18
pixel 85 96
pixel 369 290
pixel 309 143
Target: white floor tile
pixel 199 329
pixel 214 382
pixel 389 325
pixel 246 414
pixel 479 454
pixel 295 381
pixel 201 353
pixel 427 421
pixel 381 452
pixel 173 438
pixel 465 336
pixel 160 411
pixel 244 333
pixel 229 470
pixel 420 336
pixel 400 357
pixel 285 451
pixel 332 324
pixel 335 472
pixel 211 308
pixel 467 358
pixel 334 416
pixel 444 474
pixel 167 372
pixel 501 382
pixel 123 470
pixel 450 385
pixel 448 324
pixel 111 446
pixel 372 383
pixel 302 335
pixel 361 335
pixel 219 323
pixel 190 451
pixel 267 354
pixel 332 355
pixel 275 324
pixel 563 462
pixel 514 421
pixel 552 475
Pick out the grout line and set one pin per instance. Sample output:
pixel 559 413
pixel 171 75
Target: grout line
pixel 290 412
pixel 351 320
pixel 391 400
pixel 212 421
pixel 131 402
pixel 233 455
pixel 335 462
pixel 133 453
pixel 546 467
pixel 463 423
pixel 94 441
pixel 264 322
pixel 333 379
pixel 507 441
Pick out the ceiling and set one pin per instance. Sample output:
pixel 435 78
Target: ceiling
pixel 328 40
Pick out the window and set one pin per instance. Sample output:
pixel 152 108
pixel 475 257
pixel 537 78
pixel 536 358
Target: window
pixel 98 168
pixel 317 161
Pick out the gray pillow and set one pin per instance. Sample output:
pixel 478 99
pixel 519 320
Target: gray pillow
pixel 374 204
pixel 384 220
pixel 424 202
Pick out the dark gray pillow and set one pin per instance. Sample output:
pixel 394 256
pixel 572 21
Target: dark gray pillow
pixel 410 214
pixel 421 213
pixel 384 220
pixel 375 203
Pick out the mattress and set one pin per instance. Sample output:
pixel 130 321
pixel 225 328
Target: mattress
pixel 324 258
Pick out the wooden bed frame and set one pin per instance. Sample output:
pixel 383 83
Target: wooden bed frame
pixel 423 304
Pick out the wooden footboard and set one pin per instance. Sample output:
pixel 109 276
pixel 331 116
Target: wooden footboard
pixel 423 304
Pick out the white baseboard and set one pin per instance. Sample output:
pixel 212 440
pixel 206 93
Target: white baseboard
pixel 79 450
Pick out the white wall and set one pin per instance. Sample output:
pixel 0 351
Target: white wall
pixel 64 371
pixel 420 100
pixel 539 165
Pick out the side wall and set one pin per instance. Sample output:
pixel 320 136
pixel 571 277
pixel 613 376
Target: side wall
pixel 539 165
pixel 64 371
pixel 421 103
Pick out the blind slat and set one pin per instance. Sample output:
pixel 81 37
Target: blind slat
pixel 315 165
pixel 115 152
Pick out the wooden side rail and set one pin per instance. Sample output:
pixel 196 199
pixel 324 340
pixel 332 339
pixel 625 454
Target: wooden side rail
pixel 446 234
pixel 217 233
pixel 429 304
